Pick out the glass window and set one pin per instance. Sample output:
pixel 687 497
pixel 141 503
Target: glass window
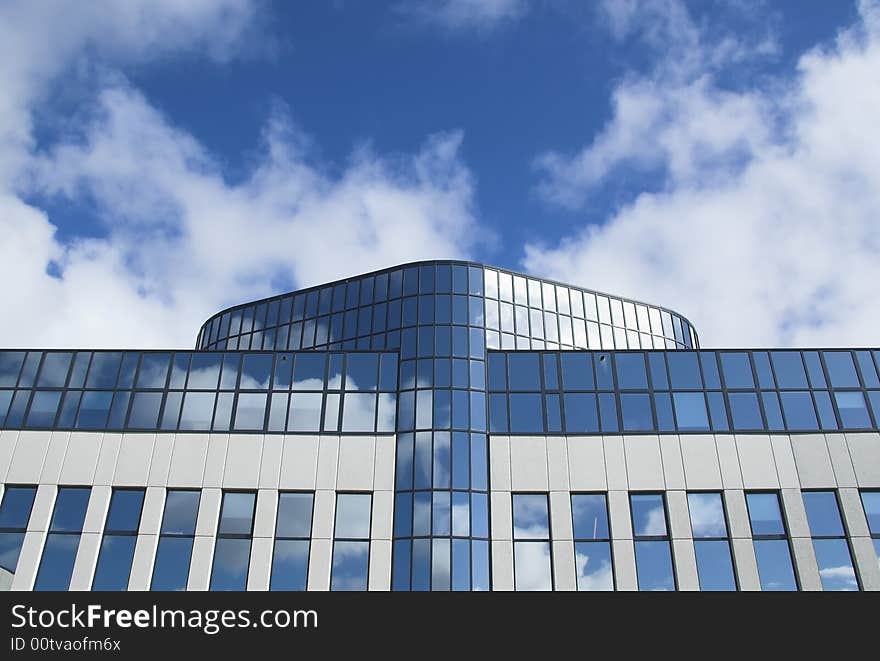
pixel 308 371
pixel 198 410
pixel 653 556
pixel 117 545
pixel 53 373
pixel 10 366
pixel 841 370
pixel 853 413
pixel 526 414
pixel 577 371
pixel 44 406
pixel 829 541
pixel 233 548
pixel 737 370
pixel 744 410
pixel 104 369
pixel 358 412
pixel 15 512
pixel 800 415
pixel 789 368
pixel 524 371
pixel 531 534
pixel 684 370
pixel 290 560
pixel 690 411
pixel 770 537
pixel 580 412
pixel 635 409
pixel 711 543
pixel 62 541
pixel 351 544
pixel 250 411
pixel 631 373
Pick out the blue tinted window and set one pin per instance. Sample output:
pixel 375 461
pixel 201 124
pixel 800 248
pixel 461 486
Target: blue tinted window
pixel 104 369
pixel 823 514
pixel 145 410
pixel 799 412
pixel 198 410
pixel 56 564
pixel 789 369
pixel 593 566
pixel 744 410
pixel 171 569
pixel 497 366
pixel 774 565
pixel 648 515
pixel 29 371
pixel 15 510
pixel 350 565
pixel 525 413
pixel 866 367
pixel 826 412
pixel 663 407
pixel 237 513
pixel 717 411
pixel 589 513
pixel 636 411
pixel 256 370
pixel 853 413
pixel 577 371
pixel 53 373
pixel 709 363
pixel 580 413
pixel 361 372
pixel 125 510
pixel 770 400
pixel 690 411
pixel 835 565
pixel 532 566
pixel 93 410
pixel 841 370
pixel 684 371
pixel 388 372
pixel 308 372
pixel 531 518
pixel 230 568
pixel 70 509
pixel 714 565
pixel 204 372
pixel 524 371
pixel 762 368
pixel 814 369
pixel 181 509
pixel 290 564
pixel 250 411
pixel 764 514
pixel 871 503
pixel 631 373
pixel 604 377
pixel 654 566
pixel 608 411
pixel 737 370
pixel 479 462
pixel 114 563
pixel 658 371
pixel 44 406
pixel 10 366
pixel 498 413
pixel 554 416
pixel 551 376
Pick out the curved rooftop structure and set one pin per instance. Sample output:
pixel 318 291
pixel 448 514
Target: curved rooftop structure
pixel 503 309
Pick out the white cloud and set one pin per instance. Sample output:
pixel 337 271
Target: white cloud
pixel 464 15
pixel 180 241
pixel 764 230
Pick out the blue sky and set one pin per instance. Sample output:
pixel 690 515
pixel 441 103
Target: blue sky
pixel 163 160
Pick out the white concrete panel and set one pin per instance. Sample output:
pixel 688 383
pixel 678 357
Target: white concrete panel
pixel 624 556
pixel 644 467
pixel 853 513
pixel 728 461
pixel 325 509
pixel 142 563
pixel 528 464
pixel 383 515
pixel 209 512
pixel 380 565
pixel 260 566
pixel 866 562
pixel 560 515
pixel 795 513
pixel 679 516
pixel 299 462
pixel 564 578
pixel 586 463
pixel 357 455
pixel 502 516
pixel 700 458
pixel 86 560
pixel 685 561
pixel 673 466
pixel 805 564
pixel 783 455
pixel 151 515
pixel 502 565
pixel 188 458
pixel 80 460
pixel 557 463
pixel 756 461
pixel 28 456
pixel 41 512
pixel 270 464
pixel 107 458
pixel 328 462
pixel 499 462
pixel 383 473
pixel 746 565
pixel 215 463
pixel 161 462
pixel 200 567
pixel 320 557
pixel 841 462
pixel 266 511
pixel 55 459
pixel 7 449
pixel 243 456
pixel 96 512
pixel 618 508
pixel 865 452
pixel 737 514
pixel 615 462
pixel 133 460
pixel 813 461
pixel 28 560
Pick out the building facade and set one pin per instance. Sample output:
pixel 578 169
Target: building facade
pixel 441 426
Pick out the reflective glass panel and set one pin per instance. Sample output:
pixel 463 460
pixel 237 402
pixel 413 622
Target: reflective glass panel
pixel 530 517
